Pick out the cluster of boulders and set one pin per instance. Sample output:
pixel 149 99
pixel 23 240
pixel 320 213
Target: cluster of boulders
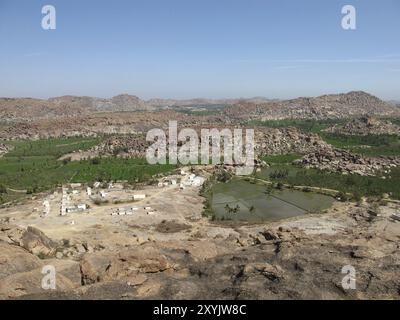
pixel 30 239
pixel 37 243
pixel 287 140
pixel 365 126
pixel 123 146
pixel 337 160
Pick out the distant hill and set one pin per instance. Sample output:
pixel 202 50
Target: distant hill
pixel 347 105
pixel 28 108
pixel 122 102
pixel 334 106
pixel 202 101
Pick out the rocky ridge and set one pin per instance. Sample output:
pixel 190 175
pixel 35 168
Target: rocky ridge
pixel 365 126
pixel 335 106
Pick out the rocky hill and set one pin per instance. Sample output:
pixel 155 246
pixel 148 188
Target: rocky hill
pixel 12 109
pixel 347 105
pixel 122 102
pixel 202 101
pixel 335 106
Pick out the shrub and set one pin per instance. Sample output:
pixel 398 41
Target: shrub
pixel 3 189
pixel 279 174
pixel 341 196
pixel 95 161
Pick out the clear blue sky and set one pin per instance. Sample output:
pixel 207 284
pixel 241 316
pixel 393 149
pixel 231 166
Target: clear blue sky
pixel 199 48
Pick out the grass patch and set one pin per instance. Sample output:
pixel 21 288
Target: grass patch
pixel 369 145
pixel 306 125
pixel 52 147
pixel 201 110
pixel 280 159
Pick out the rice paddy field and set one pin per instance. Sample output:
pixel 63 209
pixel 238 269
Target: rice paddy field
pixel 244 201
pixel 33 166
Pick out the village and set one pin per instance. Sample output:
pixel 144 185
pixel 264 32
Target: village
pixel 115 199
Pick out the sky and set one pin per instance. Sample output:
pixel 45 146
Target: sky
pixel 199 48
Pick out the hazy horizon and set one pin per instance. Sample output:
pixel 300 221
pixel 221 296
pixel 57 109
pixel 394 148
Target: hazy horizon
pixel 191 98
pixel 186 49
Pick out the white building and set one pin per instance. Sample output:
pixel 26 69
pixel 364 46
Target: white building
pixel 82 206
pixel 139 196
pixel 126 211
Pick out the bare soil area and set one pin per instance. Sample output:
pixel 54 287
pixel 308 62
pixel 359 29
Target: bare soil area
pixel 165 249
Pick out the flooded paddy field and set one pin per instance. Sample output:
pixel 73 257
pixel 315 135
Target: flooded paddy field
pixel 244 201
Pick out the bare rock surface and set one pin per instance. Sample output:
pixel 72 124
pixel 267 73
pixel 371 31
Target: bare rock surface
pixel 300 258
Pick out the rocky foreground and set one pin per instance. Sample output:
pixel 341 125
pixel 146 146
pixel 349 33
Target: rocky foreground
pixel 300 258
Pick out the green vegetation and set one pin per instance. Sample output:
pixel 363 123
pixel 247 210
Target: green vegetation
pixel 393 120
pixel 206 192
pixel 52 147
pixel 354 184
pixel 33 167
pixel 279 174
pixel 306 125
pixel 369 145
pixel 285 158
pixel 201 110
